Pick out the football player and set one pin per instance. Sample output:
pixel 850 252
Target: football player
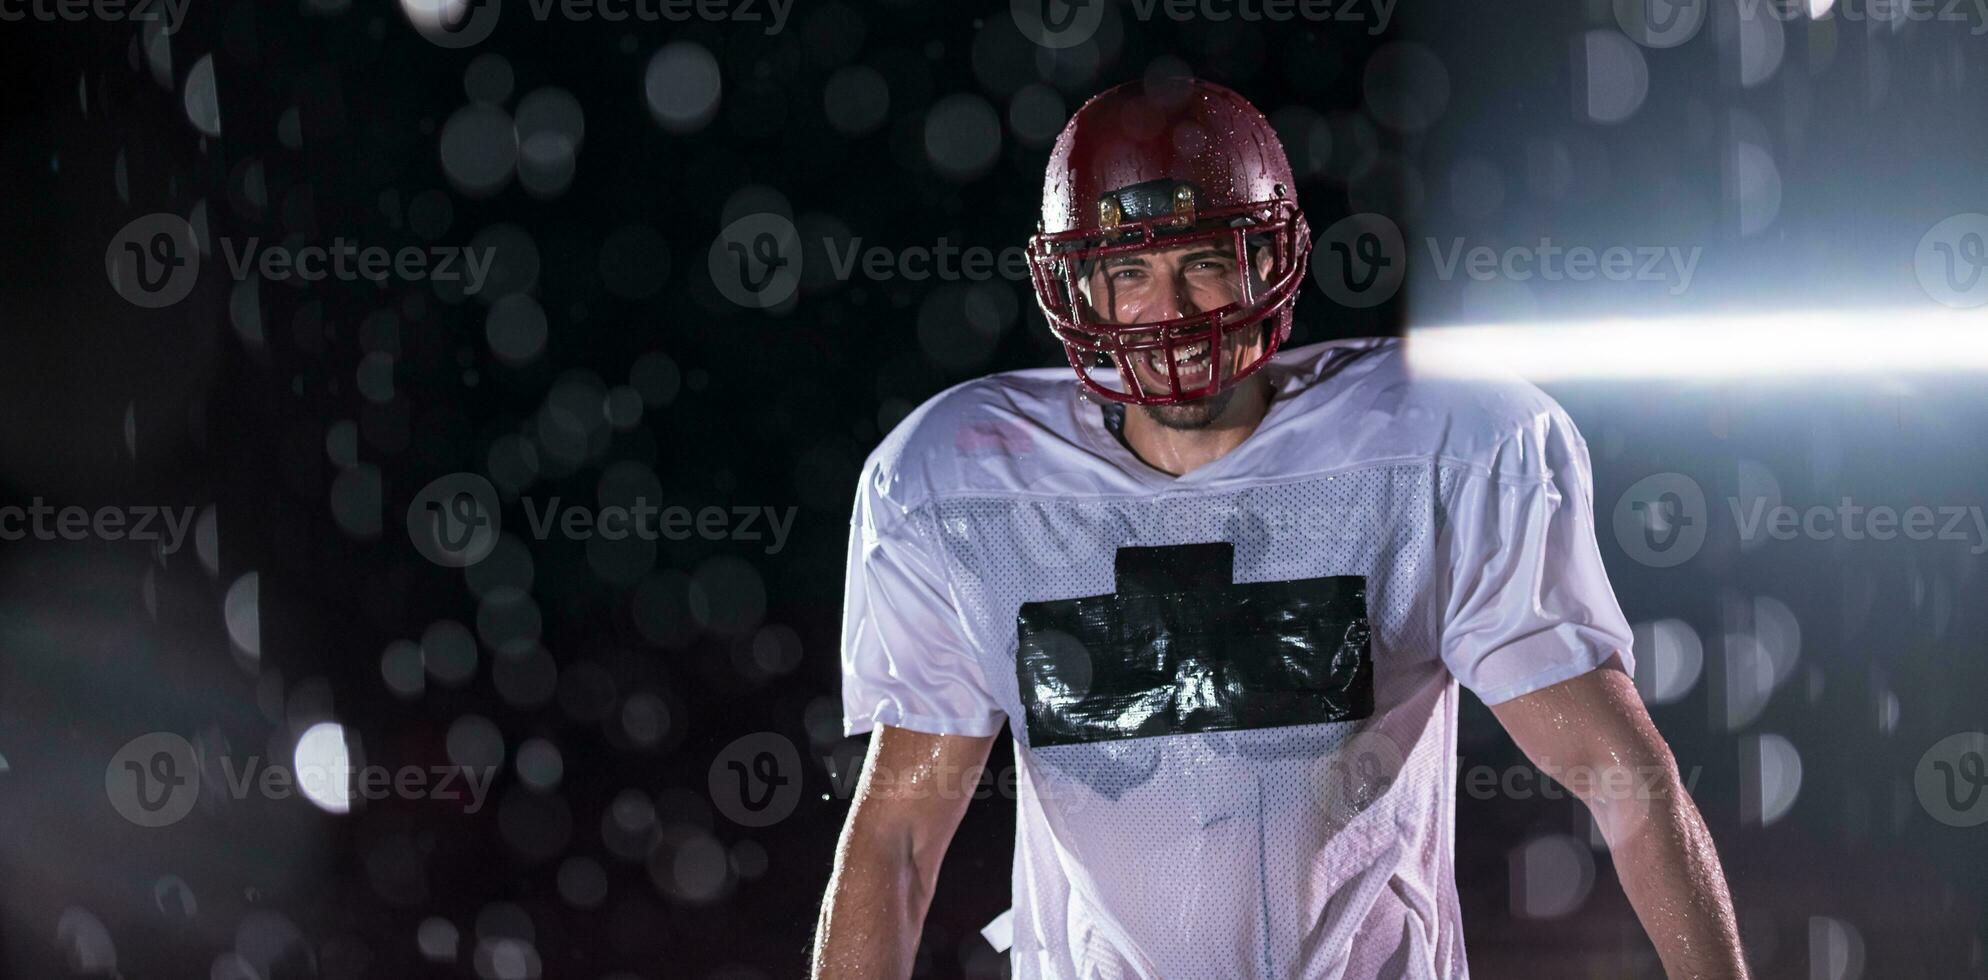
pixel 1223 598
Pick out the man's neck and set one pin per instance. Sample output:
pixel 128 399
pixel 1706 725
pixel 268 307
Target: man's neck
pixel 1179 451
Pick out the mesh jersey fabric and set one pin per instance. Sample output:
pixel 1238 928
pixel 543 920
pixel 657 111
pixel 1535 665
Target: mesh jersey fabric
pixel 1318 850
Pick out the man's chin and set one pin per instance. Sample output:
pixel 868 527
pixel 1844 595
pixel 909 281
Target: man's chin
pixel 1190 416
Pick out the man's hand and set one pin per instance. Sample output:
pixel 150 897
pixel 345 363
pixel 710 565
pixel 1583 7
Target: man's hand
pixel 1591 734
pixel 914 789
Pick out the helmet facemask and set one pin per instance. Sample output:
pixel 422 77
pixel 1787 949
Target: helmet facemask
pixel 1166 294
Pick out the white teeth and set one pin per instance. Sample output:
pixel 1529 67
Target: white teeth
pixel 1191 360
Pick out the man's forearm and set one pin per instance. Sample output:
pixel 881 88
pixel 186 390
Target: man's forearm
pixel 873 913
pixel 914 789
pixel 1670 870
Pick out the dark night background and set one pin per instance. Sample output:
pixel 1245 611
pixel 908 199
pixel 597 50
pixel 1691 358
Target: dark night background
pixel 1803 680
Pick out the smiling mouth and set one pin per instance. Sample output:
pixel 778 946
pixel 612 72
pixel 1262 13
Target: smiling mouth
pixel 1192 361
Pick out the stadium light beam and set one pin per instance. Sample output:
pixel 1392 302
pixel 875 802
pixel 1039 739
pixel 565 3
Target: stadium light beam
pixel 1758 345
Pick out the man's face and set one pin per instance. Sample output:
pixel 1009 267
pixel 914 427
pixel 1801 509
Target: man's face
pixel 1167 284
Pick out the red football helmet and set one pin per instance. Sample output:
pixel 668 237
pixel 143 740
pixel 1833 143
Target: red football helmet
pixel 1161 165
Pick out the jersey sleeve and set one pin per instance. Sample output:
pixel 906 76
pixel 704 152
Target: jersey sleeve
pixel 905 658
pixel 1529 602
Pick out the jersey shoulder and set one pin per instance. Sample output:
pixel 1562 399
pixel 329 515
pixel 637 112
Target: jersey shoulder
pixel 1371 400
pixel 991 434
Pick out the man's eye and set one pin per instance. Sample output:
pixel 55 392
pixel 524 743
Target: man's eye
pixel 1127 273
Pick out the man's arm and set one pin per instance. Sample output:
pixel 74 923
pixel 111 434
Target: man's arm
pixel 1592 734
pixel 913 791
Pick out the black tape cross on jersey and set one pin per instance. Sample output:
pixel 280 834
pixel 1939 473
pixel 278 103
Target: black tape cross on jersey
pixel 1181 648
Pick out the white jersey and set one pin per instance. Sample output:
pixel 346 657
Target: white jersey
pixel 1232 693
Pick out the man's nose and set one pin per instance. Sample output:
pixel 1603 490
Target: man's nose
pixel 1175 300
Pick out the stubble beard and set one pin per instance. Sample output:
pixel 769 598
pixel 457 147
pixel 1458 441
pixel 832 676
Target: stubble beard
pixel 1192 416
